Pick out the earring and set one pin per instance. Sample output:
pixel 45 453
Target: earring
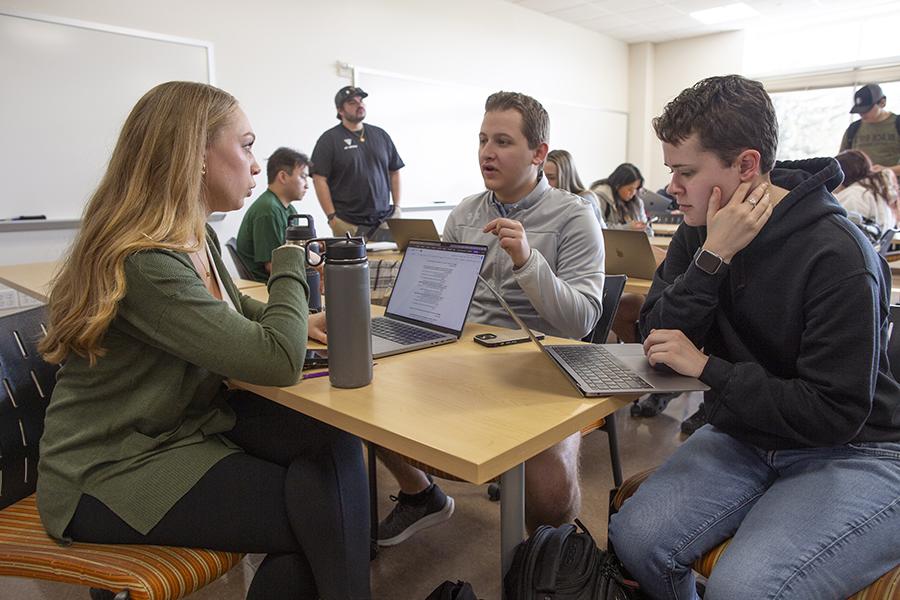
pixel 203 169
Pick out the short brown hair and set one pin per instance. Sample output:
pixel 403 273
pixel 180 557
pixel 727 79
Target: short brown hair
pixel 285 159
pixel 535 120
pixel 729 114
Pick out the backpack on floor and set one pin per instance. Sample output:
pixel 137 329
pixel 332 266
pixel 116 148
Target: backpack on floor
pixel 559 563
pixel 461 590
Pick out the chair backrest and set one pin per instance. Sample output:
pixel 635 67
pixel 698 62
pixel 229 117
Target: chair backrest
pixel 27 384
pixel 893 349
pixel 242 269
pixel 884 243
pixel 613 287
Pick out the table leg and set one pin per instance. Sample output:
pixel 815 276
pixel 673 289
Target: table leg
pixel 512 515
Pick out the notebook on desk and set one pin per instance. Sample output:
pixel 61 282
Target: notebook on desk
pixel 606 369
pixel 431 297
pixel 628 252
pixel 404 230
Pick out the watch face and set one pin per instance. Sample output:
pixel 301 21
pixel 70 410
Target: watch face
pixel 708 261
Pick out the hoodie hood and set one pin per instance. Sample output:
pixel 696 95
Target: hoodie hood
pixel 809 183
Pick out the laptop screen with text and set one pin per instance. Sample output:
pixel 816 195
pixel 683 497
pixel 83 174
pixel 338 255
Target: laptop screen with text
pixel 436 283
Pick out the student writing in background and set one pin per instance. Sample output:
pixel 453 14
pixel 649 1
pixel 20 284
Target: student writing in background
pixel 545 255
pixel 143 443
pixel 867 192
pixel 620 204
pixel 263 226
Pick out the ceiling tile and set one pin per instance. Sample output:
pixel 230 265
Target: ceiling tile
pixel 582 12
pixel 547 6
pixel 612 22
pixel 664 20
pixel 654 14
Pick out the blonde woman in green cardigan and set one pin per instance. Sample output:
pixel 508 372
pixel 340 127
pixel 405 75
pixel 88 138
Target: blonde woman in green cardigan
pixel 142 442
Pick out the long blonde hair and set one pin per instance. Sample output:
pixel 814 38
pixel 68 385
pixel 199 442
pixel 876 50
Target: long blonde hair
pixel 151 196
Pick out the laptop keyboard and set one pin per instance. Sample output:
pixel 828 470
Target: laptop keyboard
pixel 401 333
pixel 597 367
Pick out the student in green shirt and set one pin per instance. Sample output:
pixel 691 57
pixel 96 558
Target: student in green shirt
pixel 143 443
pixel 877 132
pixel 262 229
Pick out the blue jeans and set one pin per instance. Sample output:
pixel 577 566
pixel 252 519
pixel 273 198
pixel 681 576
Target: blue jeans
pixel 815 523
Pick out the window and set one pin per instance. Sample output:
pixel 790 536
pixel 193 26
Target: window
pixel 812 122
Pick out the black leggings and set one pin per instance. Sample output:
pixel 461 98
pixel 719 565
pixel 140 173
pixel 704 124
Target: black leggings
pixel 298 494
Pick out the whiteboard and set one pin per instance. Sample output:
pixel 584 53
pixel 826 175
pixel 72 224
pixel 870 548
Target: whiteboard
pixel 67 89
pixel 435 127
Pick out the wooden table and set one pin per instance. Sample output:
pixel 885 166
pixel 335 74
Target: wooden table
pixel 471 411
pixel 34 279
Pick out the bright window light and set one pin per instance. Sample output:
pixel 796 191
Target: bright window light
pixel 722 14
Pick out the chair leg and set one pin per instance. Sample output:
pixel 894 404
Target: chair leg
pixel 373 500
pixel 609 426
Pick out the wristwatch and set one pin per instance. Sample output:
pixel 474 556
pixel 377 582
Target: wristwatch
pixel 708 261
pixel 329 217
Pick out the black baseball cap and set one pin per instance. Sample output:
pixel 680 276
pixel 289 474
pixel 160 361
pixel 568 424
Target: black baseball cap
pixel 866 97
pixel 347 92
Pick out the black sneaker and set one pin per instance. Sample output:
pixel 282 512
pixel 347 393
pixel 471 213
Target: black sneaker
pixel 651 405
pixel 411 515
pixel 695 421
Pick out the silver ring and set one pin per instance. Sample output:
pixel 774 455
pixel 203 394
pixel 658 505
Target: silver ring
pixel 753 203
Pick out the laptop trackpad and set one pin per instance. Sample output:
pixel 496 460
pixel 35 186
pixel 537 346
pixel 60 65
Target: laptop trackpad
pixel 632 356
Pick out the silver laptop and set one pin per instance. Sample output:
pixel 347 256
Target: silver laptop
pixel 431 297
pixel 628 252
pixel 404 230
pixel 605 369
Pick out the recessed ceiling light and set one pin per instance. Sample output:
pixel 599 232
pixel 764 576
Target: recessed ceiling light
pixel 721 14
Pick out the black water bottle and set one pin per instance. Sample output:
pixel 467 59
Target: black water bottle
pixel 300 235
pixel 348 312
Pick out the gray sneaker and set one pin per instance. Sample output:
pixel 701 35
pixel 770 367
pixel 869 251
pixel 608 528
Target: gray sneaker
pixel 406 518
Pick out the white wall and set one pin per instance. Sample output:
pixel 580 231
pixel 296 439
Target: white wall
pixel 672 67
pixel 278 58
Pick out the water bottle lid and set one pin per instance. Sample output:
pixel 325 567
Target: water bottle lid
pixel 300 232
pixel 347 249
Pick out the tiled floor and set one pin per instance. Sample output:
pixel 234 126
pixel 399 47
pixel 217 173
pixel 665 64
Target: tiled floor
pixel 465 548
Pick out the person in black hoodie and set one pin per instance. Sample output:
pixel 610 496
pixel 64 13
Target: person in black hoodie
pixel 774 299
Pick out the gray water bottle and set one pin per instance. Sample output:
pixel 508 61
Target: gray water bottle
pixel 348 312
pixel 299 235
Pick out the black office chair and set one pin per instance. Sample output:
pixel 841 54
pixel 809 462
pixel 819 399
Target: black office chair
pixel 243 271
pixel 883 245
pixel 893 350
pixel 613 287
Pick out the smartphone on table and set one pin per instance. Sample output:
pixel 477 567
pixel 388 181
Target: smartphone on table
pixel 315 359
pixel 493 340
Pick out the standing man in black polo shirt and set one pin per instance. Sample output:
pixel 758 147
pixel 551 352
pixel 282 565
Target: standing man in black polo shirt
pixel 356 170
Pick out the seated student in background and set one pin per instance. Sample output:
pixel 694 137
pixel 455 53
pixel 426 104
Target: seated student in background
pixel 559 168
pixel 776 301
pixel 262 229
pixel 545 256
pixel 865 191
pixel 620 205
pixel 143 443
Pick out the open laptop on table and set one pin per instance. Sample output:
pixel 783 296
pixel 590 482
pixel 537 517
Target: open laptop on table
pixel 605 369
pixel 628 252
pixel 431 297
pixel 404 230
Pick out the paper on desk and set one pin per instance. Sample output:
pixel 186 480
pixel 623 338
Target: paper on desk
pixel 381 246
